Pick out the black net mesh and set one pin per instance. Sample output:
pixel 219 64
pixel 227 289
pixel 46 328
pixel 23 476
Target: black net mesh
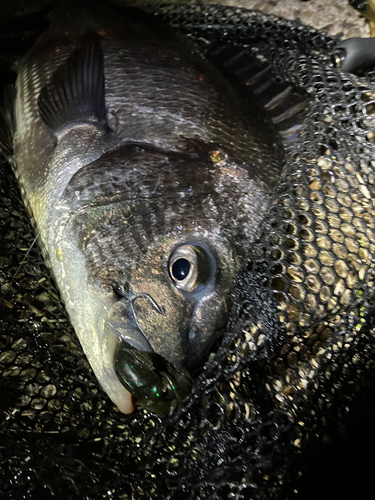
pixel 298 353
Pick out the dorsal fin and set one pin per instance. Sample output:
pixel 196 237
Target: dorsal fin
pixel 75 92
pixel 285 103
pixel 7 120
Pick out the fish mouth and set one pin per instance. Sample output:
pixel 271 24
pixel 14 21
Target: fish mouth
pixel 120 322
pixel 137 366
pixel 140 359
pixel 152 381
pixel 132 365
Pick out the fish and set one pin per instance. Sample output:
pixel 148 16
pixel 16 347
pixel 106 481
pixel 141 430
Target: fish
pixel 252 425
pixel 147 175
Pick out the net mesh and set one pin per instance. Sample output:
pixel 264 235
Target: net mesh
pixel 297 354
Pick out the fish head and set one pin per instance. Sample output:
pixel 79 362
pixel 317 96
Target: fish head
pixel 161 240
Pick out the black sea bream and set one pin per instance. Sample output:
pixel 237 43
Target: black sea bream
pixel 147 176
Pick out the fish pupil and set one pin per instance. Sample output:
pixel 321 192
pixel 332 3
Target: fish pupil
pixel 180 269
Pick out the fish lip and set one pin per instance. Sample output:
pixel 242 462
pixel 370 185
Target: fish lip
pixel 134 338
pixel 120 321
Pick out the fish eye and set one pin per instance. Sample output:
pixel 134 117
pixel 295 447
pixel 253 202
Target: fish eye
pixel 181 269
pixel 188 267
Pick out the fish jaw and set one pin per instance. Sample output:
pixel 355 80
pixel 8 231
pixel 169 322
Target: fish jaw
pixel 81 298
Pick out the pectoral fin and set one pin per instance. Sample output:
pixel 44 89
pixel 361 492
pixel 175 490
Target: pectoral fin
pixel 75 93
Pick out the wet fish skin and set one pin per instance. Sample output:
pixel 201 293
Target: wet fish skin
pixel 170 159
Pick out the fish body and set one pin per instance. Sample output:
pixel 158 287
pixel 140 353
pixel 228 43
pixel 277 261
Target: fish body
pixel 147 177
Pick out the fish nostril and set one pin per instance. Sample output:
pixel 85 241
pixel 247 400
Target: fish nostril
pixel 191 335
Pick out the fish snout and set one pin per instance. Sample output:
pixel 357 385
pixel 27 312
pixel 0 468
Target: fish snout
pixel 181 335
pixel 209 318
